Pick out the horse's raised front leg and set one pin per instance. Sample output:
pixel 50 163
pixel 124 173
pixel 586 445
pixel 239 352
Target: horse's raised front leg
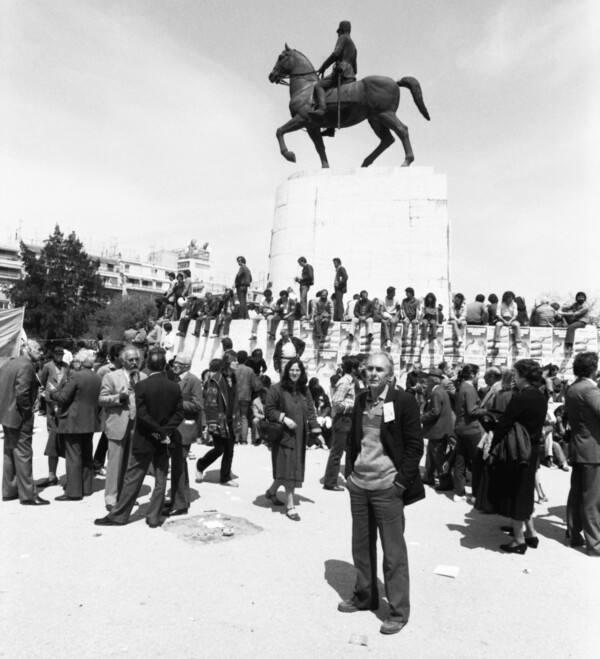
pixel 386 138
pixel 391 121
pixel 295 123
pixel 315 135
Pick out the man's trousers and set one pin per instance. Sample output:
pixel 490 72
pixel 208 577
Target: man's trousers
pixel 383 510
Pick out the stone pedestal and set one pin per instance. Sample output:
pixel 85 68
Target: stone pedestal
pixel 389 226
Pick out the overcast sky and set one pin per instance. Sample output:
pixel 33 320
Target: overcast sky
pixel 153 122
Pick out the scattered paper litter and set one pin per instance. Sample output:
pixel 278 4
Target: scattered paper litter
pixel 446 571
pixel 213 524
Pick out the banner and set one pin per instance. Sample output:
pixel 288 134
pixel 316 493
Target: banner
pixel 11 324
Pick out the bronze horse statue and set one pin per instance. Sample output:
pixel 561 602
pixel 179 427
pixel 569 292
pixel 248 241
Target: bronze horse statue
pixel 374 98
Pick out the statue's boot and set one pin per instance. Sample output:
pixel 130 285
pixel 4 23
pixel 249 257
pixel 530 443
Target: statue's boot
pixel 318 114
pixel 328 132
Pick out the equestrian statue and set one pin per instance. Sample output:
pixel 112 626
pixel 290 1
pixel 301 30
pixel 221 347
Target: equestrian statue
pixel 339 100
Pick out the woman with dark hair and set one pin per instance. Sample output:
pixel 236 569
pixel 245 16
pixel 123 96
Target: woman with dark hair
pixel 468 432
pixel 457 317
pixel 508 317
pixel 512 486
pixel 522 316
pixel 290 404
pixel 220 407
pixel 429 318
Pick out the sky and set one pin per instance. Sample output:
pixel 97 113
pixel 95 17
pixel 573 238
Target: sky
pixel 153 122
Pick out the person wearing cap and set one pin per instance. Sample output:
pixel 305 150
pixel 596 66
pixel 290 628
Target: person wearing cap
pixel 79 419
pixel 52 374
pixel 117 399
pixel 18 393
pixel 185 435
pixel 438 426
pixel 344 58
pixel 409 313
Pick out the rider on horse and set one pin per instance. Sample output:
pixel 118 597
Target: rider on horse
pixel 344 56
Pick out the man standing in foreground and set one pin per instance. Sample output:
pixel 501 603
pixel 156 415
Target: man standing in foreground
pixel 583 409
pixel 243 279
pixel 159 411
pixel 382 471
pixel 18 391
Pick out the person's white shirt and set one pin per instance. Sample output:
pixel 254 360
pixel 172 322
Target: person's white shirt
pixel 167 343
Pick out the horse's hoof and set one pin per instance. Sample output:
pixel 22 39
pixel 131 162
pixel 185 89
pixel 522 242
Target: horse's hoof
pixel 325 165
pixel 366 163
pixel 290 156
pixel 407 162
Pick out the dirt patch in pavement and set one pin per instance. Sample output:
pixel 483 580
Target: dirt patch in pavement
pixel 211 527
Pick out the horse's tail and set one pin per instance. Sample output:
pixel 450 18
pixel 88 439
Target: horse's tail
pixel 413 85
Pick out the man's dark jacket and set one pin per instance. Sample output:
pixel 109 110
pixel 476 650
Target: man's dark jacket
pixel 159 409
pixel 402 441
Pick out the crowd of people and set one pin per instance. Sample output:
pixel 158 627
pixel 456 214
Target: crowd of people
pixel 486 439
pixel 419 317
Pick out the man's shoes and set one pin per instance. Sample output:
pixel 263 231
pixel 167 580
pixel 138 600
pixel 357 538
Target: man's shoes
pixel 168 504
pixel 36 501
pixel 175 513
pixel 231 484
pixel 347 606
pixel 196 334
pixel 457 497
pixel 577 541
pixel 48 482
pixel 10 498
pixel 106 521
pixel 334 488
pixel 564 467
pixel 391 626
pixel 509 548
pixel 199 475
pixel 64 497
pixel 153 525
pixel 100 472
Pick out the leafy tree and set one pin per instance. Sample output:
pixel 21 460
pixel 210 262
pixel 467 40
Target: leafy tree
pixel 61 289
pixel 122 313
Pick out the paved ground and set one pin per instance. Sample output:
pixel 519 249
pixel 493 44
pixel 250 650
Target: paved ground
pixel 71 589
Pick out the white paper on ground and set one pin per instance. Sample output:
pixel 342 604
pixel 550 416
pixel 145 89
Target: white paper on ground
pixel 213 524
pixel 447 570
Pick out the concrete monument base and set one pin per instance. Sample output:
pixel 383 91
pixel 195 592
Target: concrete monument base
pixel 389 226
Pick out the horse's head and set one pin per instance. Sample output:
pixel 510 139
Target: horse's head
pixel 283 65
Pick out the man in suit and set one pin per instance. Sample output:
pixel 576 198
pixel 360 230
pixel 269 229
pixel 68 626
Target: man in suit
pixel 286 348
pixel 159 411
pixel 117 398
pixel 385 446
pixel 18 392
pixel 185 435
pixel 78 420
pixel 437 426
pixel 582 402
pixel 340 286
